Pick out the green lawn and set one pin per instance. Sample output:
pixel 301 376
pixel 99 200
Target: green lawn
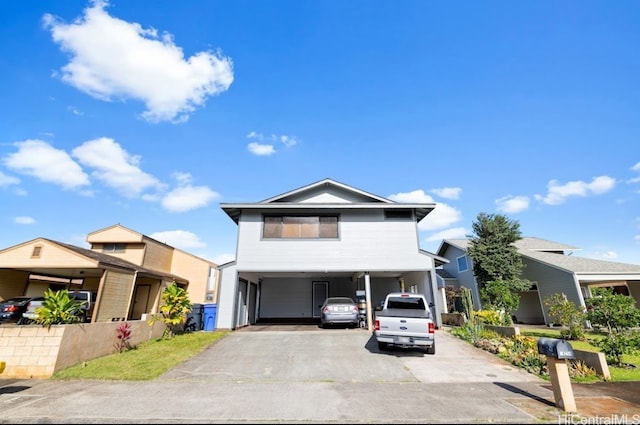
pixel 146 361
pixel 617 373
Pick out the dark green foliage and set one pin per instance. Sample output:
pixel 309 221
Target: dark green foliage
pixel 497 264
pixel 493 252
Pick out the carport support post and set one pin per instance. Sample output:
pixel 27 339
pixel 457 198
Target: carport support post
pixel 561 384
pixel 367 291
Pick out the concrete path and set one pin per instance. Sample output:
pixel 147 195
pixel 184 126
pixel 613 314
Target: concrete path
pixel 275 376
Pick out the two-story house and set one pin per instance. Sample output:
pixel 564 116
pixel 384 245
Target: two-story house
pixel 324 239
pixel 125 269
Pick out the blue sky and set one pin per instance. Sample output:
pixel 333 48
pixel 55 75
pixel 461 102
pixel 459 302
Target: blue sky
pixel 151 114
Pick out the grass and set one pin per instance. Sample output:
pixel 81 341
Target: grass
pixel 618 374
pixel 144 362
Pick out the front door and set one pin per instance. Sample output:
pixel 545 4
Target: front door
pixel 140 301
pixel 320 292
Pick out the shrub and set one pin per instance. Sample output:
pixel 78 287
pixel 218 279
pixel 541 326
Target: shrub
pixel 489 317
pixel 567 314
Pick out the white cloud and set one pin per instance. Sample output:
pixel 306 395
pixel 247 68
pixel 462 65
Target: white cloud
pixel 415 197
pixel 6 181
pixel 180 239
pixel 115 167
pixel 112 58
pixel 268 148
pixel 261 149
pixel 24 220
pixel 186 198
pixel 635 179
pixel 448 192
pixel 453 233
pixel 443 215
pixel 557 194
pixel 636 167
pixel 41 160
pixel 512 204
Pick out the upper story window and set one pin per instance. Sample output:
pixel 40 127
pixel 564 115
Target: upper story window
pixel 463 266
pixel 300 227
pixel 398 214
pixel 114 247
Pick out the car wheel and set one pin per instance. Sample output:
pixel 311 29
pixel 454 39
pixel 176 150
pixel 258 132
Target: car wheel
pixel 432 349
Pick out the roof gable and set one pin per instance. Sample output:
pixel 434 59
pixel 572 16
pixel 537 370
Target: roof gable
pixel 115 233
pixel 326 191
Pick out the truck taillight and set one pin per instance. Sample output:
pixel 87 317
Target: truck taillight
pixel 432 327
pixel 377 325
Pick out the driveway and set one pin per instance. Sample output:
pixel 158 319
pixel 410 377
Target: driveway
pixel 297 376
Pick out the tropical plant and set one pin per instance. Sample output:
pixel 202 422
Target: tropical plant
pixel 467 302
pixel 123 337
pixel 488 317
pixel 58 309
pixel 175 307
pixel 567 314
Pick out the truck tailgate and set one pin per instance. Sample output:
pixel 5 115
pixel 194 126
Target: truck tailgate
pixel 403 326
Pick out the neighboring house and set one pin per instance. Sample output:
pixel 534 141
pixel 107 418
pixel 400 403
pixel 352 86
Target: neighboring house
pixel 126 269
pixel 551 267
pixel 324 239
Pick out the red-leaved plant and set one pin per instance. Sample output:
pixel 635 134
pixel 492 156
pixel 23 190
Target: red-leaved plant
pixel 123 335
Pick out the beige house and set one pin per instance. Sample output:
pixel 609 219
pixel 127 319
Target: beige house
pixel 126 269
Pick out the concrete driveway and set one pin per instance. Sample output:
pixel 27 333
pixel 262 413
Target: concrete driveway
pixel 297 376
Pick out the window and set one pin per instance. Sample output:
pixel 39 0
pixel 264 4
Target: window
pixel 462 264
pixel 114 247
pixel 300 227
pixel 397 214
pixel 37 250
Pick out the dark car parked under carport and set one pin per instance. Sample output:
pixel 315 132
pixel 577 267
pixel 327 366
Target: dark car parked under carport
pixel 11 309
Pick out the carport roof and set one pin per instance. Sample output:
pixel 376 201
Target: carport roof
pixel 109 260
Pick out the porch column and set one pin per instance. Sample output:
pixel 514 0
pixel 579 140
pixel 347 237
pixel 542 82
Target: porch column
pixel 367 291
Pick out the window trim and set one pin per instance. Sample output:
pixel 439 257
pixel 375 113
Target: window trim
pixel 114 247
pixel 466 263
pixel 277 228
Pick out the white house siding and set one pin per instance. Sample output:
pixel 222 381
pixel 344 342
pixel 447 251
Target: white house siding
pixel 550 281
pixel 226 297
pixel 366 242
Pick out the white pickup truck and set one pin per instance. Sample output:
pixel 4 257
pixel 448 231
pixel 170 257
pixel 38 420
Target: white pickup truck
pixel 405 321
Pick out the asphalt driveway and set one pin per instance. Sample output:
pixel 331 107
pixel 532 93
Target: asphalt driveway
pixel 266 375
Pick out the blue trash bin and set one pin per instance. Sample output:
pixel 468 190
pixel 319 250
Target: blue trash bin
pixel 210 317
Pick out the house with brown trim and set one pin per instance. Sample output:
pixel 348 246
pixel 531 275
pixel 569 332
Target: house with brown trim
pixel 127 271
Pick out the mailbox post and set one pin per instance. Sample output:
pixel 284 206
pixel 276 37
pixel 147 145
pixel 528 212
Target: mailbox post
pixel 558 351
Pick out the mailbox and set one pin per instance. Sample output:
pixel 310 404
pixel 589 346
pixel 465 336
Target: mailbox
pixel 556 348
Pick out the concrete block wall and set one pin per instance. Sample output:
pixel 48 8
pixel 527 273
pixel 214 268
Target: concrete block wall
pixel 35 352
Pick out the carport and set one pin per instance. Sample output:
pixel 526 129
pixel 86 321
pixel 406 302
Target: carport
pixel 296 297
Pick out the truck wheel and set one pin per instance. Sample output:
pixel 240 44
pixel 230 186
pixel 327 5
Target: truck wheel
pixel 432 349
pixel 382 345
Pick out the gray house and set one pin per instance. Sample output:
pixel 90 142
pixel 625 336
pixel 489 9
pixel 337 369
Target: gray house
pixel 551 267
pixel 324 239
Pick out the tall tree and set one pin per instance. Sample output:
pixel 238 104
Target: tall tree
pixel 497 264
